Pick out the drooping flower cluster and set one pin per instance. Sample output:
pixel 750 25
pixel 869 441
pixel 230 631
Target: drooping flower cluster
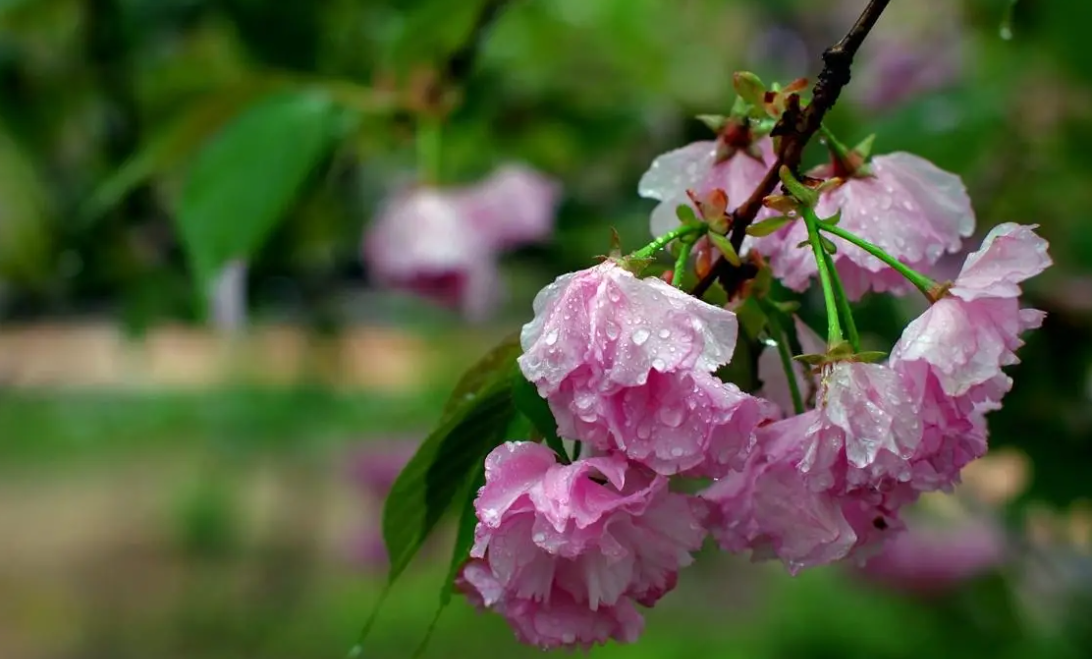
pixel 626 365
pixel 630 370
pixel 565 551
pixel 443 243
pixel 828 483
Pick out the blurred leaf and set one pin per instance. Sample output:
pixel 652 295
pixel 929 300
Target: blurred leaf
pixel 767 227
pixel 174 144
pixel 243 181
pixel 725 246
pixel 24 217
pixel 491 369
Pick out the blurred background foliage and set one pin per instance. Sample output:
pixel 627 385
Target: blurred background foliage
pixel 144 144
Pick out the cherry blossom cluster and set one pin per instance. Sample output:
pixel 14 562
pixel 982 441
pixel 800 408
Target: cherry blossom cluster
pixel 566 549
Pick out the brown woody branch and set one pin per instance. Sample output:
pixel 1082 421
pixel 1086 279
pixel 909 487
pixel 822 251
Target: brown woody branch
pixel 795 128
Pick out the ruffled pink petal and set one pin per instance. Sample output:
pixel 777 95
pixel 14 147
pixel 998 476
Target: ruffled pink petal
pixel 514 206
pixel 1010 254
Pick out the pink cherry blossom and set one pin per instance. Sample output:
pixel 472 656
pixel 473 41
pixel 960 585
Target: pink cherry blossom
pixel 624 364
pixel 936 554
pixel 421 242
pixel 513 207
pixel 909 207
pixel 686 422
pixel 968 336
pixel 552 539
pixel 865 430
pixel 443 243
pixel 558 621
pixel 769 508
pixel 695 167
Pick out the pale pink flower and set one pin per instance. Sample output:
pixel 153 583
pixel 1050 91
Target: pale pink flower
pixel 909 207
pixel 695 167
pixel 939 552
pixel 373 471
pixel 618 358
pixel 515 206
pixel 685 422
pixel 558 621
pixel 769 508
pixel 443 243
pixel 865 431
pixel 969 335
pixel 422 242
pixel 598 533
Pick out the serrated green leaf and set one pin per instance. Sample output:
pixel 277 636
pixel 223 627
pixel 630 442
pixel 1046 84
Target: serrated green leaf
pixel 828 245
pixel 493 367
pixel 725 247
pixel 241 183
pixel 768 226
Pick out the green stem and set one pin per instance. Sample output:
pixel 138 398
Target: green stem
pixel 843 306
pixel 783 351
pixel 923 283
pixel 834 328
pixel 429 152
pixel 661 242
pixel 680 264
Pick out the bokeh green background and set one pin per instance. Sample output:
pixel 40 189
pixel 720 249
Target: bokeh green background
pixel 194 523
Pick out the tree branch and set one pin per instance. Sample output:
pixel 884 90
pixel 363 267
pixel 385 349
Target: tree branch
pixel 795 128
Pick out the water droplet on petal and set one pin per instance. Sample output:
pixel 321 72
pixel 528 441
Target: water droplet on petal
pixel 640 336
pixel 612 329
pixel 658 364
pixel 671 416
pixel 551 338
pixel 665 333
pixel 677 452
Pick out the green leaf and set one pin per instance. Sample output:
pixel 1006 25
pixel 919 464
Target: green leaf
pixel 828 245
pixel 475 420
pixel 769 226
pixel 173 145
pixel 686 214
pixel 725 247
pixel 812 359
pixel 749 87
pixel 490 370
pixel 537 410
pixel 242 182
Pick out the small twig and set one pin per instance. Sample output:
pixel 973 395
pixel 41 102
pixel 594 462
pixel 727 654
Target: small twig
pixel 795 128
pixel 454 71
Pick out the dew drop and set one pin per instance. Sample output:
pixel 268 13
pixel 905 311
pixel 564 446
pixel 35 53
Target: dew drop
pixel 539 537
pixel 677 452
pixel 640 336
pixel 665 333
pixel 658 364
pixel 612 329
pixel 671 416
pixel 613 295
pixel 551 338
